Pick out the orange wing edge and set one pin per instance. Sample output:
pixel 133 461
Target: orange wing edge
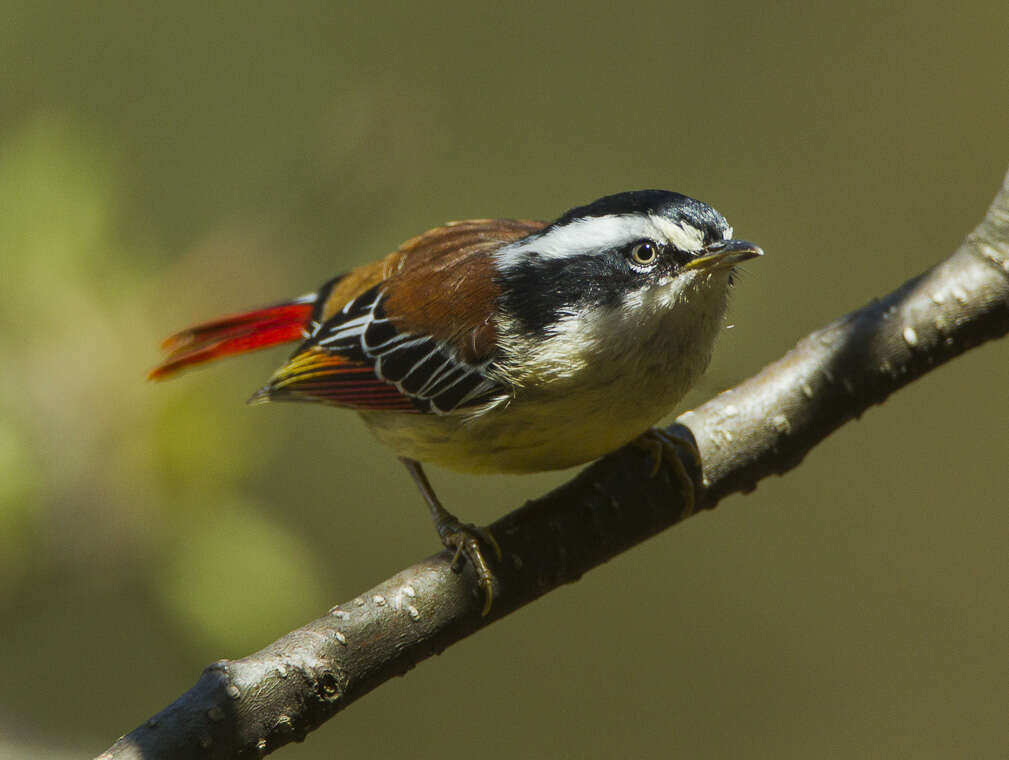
pixel 332 379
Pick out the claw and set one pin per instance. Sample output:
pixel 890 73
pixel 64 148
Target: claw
pixel 464 539
pixel 666 447
pixel 455 564
pixel 488 538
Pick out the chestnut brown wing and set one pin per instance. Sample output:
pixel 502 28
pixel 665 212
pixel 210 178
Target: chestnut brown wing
pixel 419 338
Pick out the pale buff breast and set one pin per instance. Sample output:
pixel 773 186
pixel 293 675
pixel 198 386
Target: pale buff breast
pixel 606 390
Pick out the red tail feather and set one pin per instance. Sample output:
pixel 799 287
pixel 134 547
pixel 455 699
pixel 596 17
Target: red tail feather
pixel 236 334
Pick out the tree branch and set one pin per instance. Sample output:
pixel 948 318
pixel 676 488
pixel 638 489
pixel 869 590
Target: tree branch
pixel 249 707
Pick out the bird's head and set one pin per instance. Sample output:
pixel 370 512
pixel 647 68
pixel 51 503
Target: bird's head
pixel 635 257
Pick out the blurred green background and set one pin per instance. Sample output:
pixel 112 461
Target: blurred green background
pixel 162 164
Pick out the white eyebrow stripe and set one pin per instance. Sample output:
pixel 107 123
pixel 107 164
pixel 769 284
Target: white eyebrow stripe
pixel 683 236
pixel 599 233
pixel 580 237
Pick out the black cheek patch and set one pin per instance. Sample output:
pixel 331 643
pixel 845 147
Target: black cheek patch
pixel 538 291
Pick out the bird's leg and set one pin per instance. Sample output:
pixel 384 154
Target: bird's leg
pixel 464 538
pixel 666 447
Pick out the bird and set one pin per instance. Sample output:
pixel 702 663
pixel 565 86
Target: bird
pixel 506 345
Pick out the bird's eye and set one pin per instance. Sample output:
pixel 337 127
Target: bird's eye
pixel 644 254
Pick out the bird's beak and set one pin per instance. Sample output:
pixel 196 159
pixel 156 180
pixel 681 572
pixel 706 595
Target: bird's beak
pixel 724 254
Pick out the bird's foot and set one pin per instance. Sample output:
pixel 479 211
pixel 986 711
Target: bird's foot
pixel 465 539
pixel 667 448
